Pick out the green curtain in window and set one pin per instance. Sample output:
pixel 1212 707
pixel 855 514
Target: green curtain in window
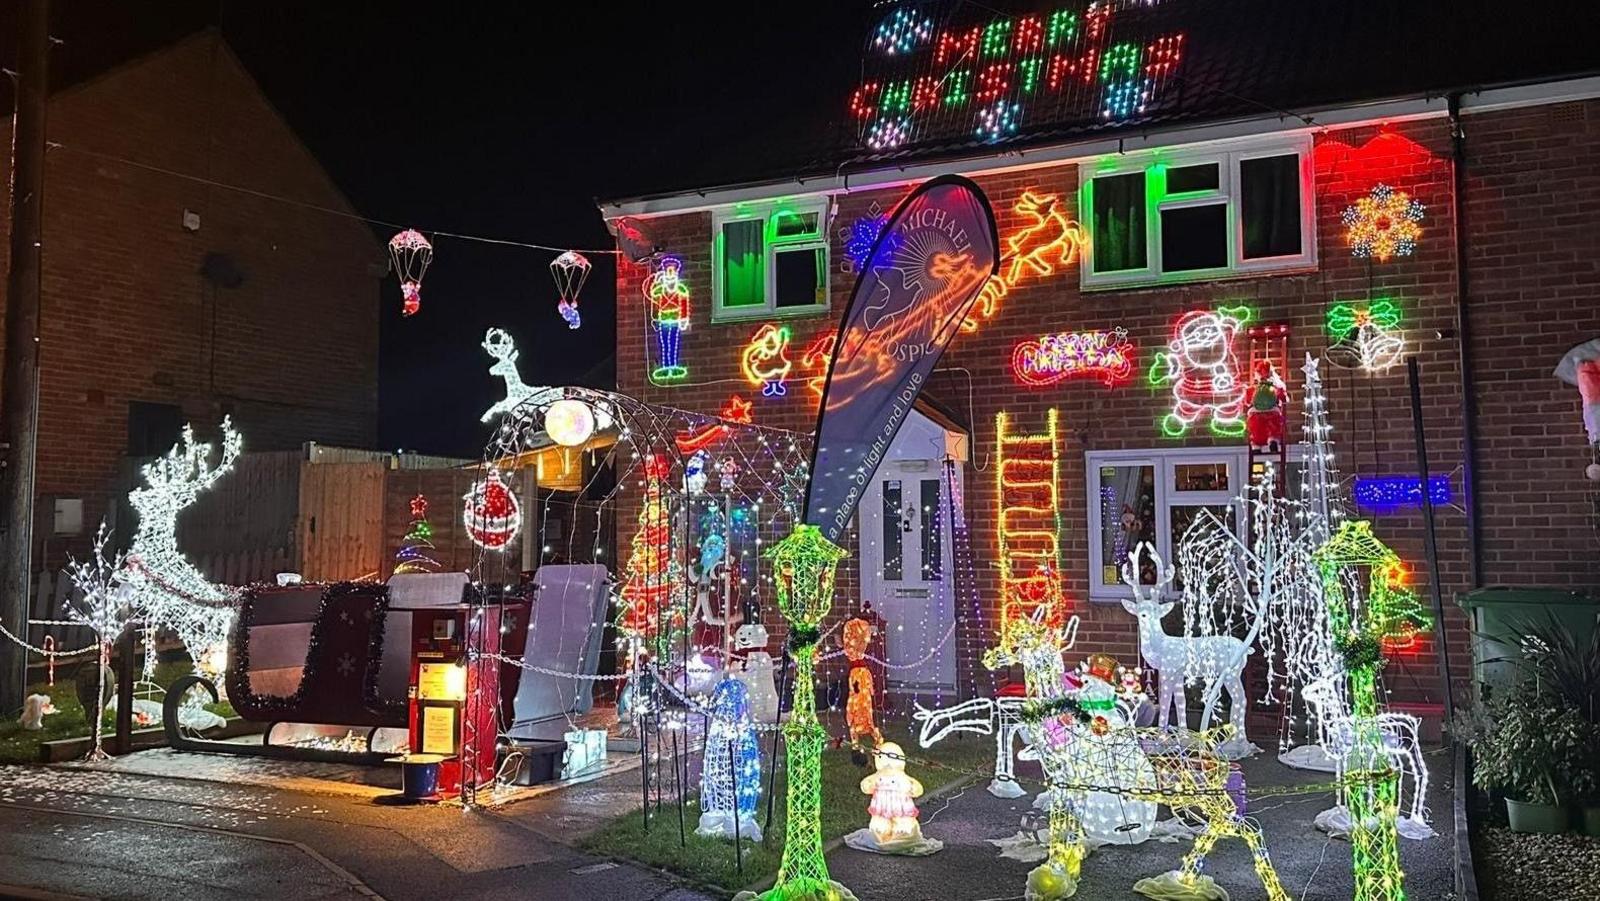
pixel 743 263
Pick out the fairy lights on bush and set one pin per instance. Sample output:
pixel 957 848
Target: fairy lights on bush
pixel 1383 224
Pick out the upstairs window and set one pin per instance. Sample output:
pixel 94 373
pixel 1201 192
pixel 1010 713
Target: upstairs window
pixel 1199 214
pixel 770 260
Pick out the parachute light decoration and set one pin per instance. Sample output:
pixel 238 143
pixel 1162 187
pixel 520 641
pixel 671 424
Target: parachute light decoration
pixel 570 270
pixel 410 253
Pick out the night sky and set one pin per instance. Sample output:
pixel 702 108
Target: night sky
pixel 506 121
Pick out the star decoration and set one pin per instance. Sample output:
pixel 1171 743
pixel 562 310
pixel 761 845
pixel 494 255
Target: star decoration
pixel 419 507
pixel 346 665
pixel 737 409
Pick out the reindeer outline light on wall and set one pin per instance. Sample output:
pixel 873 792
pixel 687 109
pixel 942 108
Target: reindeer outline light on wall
pixel 1048 241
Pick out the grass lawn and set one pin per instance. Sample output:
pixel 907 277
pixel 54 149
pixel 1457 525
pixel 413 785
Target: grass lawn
pixel 710 862
pixel 70 720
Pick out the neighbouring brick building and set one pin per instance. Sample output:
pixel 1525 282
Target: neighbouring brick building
pixel 1207 166
pixel 169 296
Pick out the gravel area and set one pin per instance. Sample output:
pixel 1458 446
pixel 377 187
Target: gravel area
pixel 1517 866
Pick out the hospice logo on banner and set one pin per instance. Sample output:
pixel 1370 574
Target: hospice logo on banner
pixel 923 274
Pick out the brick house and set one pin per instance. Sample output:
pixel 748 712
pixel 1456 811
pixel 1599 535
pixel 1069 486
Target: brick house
pixel 169 298
pixel 1198 183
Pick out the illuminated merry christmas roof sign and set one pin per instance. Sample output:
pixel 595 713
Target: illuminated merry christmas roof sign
pixel 960 72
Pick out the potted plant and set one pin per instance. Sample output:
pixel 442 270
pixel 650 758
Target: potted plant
pixel 1570 672
pixel 1532 750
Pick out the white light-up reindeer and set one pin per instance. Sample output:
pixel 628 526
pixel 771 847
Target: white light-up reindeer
pixel 500 345
pixel 1397 741
pixel 167 592
pixel 991 716
pixel 1213 658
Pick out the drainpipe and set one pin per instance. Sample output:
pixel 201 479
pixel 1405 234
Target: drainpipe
pixel 1469 417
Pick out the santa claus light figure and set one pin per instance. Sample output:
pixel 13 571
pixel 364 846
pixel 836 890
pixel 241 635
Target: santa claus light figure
pixel 1201 365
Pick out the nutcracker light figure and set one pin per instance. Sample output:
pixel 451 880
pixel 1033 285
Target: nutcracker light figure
pixel 668 295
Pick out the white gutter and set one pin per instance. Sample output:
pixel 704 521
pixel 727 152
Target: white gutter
pixel 1056 154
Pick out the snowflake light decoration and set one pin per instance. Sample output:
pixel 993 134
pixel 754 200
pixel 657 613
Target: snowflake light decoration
pixel 902 31
pixel 859 237
pixel 1383 224
pixel 888 133
pixel 998 120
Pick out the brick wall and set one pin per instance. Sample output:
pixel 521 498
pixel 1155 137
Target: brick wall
pixel 127 316
pixel 1534 280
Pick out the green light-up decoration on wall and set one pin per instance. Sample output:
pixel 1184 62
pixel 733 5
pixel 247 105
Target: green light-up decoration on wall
pixel 1354 562
pixel 804 565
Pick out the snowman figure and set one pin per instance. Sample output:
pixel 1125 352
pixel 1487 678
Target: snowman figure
pixel 750 644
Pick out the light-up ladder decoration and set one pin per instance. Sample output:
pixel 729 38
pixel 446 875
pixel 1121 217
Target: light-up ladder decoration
pixel 1027 484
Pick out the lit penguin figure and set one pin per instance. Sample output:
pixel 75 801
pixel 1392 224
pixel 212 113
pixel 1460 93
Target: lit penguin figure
pixel 730 778
pixel 893 808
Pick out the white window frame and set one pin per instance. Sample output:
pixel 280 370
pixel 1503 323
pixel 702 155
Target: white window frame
pixel 1228 156
pixel 1165 460
pixel 769 309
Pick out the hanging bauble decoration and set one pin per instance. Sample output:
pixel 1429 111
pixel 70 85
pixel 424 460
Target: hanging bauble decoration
pixel 569 422
pixel 570 271
pixel 410 253
pixel 491 513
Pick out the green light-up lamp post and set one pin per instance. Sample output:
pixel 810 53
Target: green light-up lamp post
pixel 804 566
pixel 1371 787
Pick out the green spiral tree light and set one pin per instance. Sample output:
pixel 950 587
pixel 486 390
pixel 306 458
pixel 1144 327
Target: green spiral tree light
pixel 804 565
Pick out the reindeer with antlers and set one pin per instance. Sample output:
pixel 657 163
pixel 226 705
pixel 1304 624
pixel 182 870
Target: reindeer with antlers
pixel 167 592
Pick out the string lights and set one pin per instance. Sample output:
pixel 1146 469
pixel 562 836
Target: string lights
pixel 1386 494
pixel 418 541
pixel 730 775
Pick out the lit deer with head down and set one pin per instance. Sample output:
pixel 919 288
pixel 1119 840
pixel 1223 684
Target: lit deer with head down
pixel 1214 658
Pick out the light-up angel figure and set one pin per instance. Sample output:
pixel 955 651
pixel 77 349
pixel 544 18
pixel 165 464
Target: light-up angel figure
pixel 1366 335
pixel 410 253
pixel 668 295
pixel 569 270
pixel 1203 368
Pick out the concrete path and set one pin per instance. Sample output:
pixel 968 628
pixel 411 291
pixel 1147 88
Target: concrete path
pixel 136 835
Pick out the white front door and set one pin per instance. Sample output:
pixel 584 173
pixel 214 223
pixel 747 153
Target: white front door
pixel 906 573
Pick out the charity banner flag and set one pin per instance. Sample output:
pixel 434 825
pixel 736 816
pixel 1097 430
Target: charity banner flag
pixel 925 269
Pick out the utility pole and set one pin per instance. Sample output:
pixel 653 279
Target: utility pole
pixel 19 393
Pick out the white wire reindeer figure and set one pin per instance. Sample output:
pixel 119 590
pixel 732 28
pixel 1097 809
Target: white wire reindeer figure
pixel 994 716
pixel 499 344
pixel 1398 742
pixel 1179 658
